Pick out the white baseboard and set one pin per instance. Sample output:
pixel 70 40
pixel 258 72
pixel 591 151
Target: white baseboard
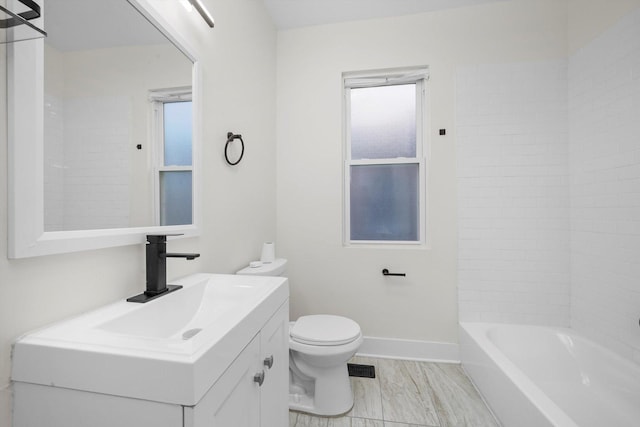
pixel 392 348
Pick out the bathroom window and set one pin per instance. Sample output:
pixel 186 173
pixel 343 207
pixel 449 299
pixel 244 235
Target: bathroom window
pixel 384 158
pixel 173 175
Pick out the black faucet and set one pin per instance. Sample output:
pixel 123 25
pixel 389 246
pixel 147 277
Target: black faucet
pixel 157 268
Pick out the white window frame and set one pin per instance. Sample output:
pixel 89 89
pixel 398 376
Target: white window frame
pixel 419 77
pixel 158 98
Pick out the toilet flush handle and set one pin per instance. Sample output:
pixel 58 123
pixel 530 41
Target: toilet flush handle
pixel 268 362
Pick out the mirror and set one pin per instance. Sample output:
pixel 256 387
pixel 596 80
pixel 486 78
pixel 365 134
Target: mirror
pixel 104 129
pixel 102 78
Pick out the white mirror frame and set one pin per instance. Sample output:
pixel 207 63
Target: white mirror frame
pixel 27 237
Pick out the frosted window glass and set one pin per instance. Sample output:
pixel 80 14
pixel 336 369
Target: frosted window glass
pixel 383 122
pixel 384 202
pixel 175 198
pixel 177 133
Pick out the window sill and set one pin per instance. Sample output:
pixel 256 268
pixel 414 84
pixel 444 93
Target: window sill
pixel 421 246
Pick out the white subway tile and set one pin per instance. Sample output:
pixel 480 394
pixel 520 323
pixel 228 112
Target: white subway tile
pixel 517 140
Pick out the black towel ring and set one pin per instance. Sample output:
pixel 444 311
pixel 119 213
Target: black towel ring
pixel 230 138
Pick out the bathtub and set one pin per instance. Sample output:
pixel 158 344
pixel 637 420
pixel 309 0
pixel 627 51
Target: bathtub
pixel 536 376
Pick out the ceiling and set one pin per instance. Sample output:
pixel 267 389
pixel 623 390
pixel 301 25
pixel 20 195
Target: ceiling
pixel 94 24
pixel 115 23
pixel 301 13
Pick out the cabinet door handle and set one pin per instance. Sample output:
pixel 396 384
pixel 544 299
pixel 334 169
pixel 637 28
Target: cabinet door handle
pixel 268 362
pixel 259 378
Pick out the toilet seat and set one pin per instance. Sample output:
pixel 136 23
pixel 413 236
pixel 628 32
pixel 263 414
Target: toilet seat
pixel 324 330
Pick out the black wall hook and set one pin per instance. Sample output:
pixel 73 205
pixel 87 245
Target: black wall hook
pixel 230 137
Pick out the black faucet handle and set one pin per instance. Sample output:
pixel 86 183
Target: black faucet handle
pixel 175 255
pixel 160 238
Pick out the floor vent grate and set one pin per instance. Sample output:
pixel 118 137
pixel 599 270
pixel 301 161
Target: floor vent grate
pixel 363 371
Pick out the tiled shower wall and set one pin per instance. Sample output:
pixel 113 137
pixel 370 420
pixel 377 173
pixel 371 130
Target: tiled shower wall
pixel 513 202
pixel 53 163
pixel 604 105
pixel 87 163
pixel 534 246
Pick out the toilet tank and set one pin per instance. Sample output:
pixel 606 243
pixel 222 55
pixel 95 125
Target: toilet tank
pixel 275 268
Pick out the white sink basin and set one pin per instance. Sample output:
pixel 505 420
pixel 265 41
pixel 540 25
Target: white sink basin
pixel 171 349
pixel 193 307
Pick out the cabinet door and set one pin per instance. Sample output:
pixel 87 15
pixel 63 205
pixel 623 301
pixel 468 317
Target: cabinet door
pixel 274 401
pixel 234 400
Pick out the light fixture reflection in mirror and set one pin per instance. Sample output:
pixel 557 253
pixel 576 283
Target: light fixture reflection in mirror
pixel 202 10
pixel 98 81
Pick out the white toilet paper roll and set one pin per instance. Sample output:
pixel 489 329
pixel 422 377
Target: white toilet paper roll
pixel 268 252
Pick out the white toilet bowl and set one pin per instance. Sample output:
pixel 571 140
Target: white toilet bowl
pixel 319 348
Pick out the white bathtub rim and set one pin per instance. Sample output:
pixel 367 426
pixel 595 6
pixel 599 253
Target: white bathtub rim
pixel 505 398
pixel 529 389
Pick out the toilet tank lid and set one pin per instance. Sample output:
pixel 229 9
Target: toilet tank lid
pixel 275 268
pixel 324 329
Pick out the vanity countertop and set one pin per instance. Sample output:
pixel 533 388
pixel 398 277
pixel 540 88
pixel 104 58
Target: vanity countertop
pixel 171 349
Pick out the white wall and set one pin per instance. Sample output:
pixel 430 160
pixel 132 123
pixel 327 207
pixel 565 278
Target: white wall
pixel 513 193
pixel 604 107
pixel 589 18
pixel 325 276
pixel 238 59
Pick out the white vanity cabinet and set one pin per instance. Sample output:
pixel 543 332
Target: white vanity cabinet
pixel 253 391
pixel 213 354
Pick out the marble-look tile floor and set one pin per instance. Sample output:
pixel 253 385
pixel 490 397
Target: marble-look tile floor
pixel 408 394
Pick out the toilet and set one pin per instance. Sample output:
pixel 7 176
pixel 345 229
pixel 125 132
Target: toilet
pixel 320 346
